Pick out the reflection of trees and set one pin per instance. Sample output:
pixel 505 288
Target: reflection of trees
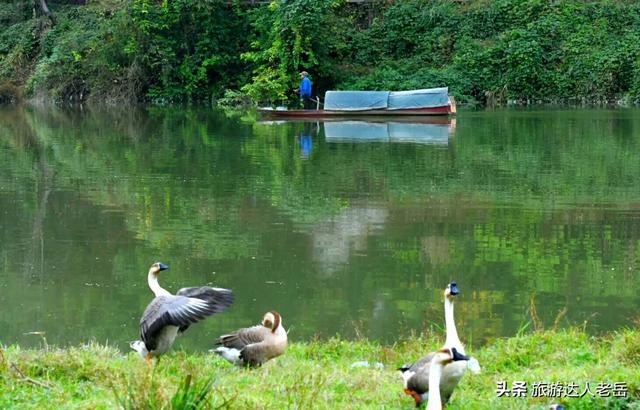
pixel 106 151
pixel 568 258
pixel 435 250
pixel 44 189
pixel 336 239
pixel 546 159
pixel 19 135
pixel 505 206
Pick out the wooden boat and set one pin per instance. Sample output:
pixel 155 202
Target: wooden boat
pixel 427 102
pixel 381 118
pixel 319 113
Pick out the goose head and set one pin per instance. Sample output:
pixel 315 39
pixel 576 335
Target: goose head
pixel 140 347
pixel 156 268
pixel 271 320
pixel 447 355
pixel 451 291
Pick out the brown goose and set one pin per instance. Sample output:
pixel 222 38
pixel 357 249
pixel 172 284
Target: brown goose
pixel 253 346
pixel 416 375
pixel 167 314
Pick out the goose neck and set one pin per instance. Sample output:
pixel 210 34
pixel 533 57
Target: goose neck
pixel 435 372
pixel 155 286
pixel 452 333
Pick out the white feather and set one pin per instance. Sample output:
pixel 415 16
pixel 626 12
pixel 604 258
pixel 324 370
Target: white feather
pixel 406 375
pixel 229 354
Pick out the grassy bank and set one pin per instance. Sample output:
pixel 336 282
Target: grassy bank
pixel 319 375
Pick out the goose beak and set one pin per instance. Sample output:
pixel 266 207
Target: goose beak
pixel 457 355
pixel 163 266
pixel 453 289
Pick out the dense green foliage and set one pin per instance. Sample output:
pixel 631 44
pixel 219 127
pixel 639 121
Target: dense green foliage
pixel 320 375
pixel 171 51
pixel 292 36
pixel 189 50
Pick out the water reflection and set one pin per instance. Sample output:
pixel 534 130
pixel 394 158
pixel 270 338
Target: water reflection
pixel 306 141
pixel 428 131
pixel 341 236
pixel 345 238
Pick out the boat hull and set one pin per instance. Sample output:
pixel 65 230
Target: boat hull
pixel 431 111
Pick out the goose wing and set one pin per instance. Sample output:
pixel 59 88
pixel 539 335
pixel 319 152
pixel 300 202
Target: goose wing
pixel 219 297
pixel 254 354
pixel 257 354
pixel 244 337
pixel 417 374
pixel 423 362
pixel 417 377
pixel 179 311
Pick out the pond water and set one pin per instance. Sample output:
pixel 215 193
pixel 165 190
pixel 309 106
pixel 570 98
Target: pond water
pixel 349 228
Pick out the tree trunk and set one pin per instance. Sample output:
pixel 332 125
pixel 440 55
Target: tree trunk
pixel 46 11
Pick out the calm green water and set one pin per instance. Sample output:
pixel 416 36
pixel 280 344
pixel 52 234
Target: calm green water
pixel 350 229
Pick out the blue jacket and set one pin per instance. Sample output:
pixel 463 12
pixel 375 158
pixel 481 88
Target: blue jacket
pixel 305 87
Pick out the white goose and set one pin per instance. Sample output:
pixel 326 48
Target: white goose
pixel 167 314
pixel 440 359
pixel 253 346
pixel 416 375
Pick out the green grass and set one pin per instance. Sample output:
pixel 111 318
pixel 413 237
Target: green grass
pixel 316 375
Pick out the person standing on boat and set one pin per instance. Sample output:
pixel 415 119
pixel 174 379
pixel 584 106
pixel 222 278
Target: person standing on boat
pixel 305 90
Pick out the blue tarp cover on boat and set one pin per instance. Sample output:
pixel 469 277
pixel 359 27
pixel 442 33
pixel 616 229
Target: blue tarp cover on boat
pixel 427 98
pixel 390 100
pixel 355 100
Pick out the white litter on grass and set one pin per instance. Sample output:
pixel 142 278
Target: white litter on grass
pixel 473 365
pixel 365 363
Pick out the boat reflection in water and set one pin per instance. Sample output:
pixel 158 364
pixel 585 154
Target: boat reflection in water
pixel 437 131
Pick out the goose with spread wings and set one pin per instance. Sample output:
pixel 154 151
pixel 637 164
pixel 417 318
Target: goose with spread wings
pixel 253 346
pixel 168 315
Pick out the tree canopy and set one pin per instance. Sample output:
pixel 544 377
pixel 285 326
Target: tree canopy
pixel 184 51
